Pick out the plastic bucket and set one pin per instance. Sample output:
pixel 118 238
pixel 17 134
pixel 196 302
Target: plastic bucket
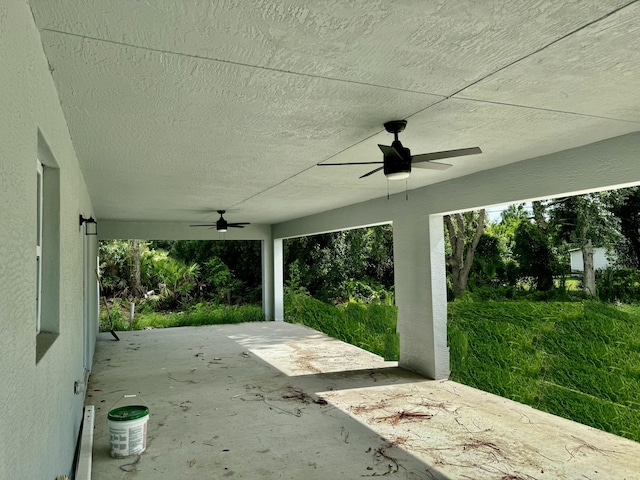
pixel 128 430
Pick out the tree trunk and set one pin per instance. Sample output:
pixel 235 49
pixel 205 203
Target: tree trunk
pixel 462 255
pixel 589 273
pixel 137 280
pixel 538 214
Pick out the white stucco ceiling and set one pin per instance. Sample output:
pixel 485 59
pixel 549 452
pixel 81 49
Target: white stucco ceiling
pixel 179 108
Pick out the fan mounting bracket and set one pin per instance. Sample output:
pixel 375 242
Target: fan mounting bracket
pixel 395 126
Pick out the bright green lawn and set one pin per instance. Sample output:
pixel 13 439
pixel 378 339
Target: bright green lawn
pixel 577 360
pixel 199 314
pixel 370 327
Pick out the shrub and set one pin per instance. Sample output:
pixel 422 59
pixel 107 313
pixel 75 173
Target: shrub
pixel 618 285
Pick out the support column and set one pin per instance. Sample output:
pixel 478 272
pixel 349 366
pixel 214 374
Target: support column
pixel 421 295
pixel 267 279
pixel 278 279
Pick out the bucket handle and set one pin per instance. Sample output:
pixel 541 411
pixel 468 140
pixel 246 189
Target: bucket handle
pixel 124 397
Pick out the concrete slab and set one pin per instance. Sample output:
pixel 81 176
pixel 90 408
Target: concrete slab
pixel 275 400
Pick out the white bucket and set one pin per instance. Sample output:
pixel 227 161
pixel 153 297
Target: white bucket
pixel 128 430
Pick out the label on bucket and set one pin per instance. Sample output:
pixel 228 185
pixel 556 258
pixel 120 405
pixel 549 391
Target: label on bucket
pixel 128 430
pixel 128 441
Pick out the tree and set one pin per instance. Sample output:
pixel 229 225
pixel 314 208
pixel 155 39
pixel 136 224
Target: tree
pixel 242 257
pixel 114 267
pixel 534 254
pixel 465 230
pixel 136 280
pixel 221 279
pixel 488 263
pixel 504 231
pixel 338 265
pixel 586 221
pixel 539 208
pixel 174 280
pixel 627 209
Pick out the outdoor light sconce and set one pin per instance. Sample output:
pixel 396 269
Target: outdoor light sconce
pixel 90 225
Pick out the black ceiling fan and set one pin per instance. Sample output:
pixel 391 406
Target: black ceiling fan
pixel 221 224
pixel 397 160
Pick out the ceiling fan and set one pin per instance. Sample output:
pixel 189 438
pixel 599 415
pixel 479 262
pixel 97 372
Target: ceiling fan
pixel 397 160
pixel 221 224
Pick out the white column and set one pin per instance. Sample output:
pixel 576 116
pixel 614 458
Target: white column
pixel 267 279
pixel 421 295
pixel 278 279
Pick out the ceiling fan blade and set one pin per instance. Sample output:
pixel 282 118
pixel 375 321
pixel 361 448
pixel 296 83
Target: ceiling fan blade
pixel 389 151
pixel 372 172
pixel 238 224
pixel 346 163
pixel 204 225
pixel 461 152
pixel 431 165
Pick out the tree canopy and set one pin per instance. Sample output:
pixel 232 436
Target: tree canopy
pixel 527 248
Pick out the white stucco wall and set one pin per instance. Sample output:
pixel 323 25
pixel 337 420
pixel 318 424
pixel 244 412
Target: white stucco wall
pixel 600 260
pixel 39 413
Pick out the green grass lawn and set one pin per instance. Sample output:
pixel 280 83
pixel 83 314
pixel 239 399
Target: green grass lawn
pixel 580 361
pixel 196 315
pixel 370 327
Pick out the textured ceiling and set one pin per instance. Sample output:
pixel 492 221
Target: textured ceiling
pixel 178 108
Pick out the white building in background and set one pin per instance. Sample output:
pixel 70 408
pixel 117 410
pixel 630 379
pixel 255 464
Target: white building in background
pixel 600 260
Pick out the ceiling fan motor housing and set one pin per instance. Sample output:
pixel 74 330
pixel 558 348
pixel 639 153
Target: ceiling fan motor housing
pixel 397 166
pixel 221 224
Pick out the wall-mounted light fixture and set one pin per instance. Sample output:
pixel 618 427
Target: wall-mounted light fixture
pixel 90 225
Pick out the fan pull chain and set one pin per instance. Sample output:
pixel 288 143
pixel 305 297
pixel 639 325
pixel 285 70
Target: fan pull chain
pixel 406 189
pixel 387 189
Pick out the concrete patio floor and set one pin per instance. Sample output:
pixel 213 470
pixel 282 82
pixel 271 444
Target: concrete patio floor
pixel 279 401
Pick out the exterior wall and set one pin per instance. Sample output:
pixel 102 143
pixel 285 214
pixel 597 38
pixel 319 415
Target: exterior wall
pixel 40 415
pixel 600 260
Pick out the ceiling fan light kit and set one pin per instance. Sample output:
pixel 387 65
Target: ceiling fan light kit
pixel 397 160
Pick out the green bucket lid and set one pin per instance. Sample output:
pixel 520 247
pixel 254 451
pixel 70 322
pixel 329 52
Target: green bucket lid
pixel 129 412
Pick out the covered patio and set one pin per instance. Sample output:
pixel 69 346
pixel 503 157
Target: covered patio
pixel 275 400
pixel 143 118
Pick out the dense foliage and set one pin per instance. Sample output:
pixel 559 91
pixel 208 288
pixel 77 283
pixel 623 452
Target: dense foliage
pixel 232 269
pixel 353 264
pixel 627 209
pixel 529 247
pixel 175 275
pixel 526 249
pixel 535 255
pixel 619 285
